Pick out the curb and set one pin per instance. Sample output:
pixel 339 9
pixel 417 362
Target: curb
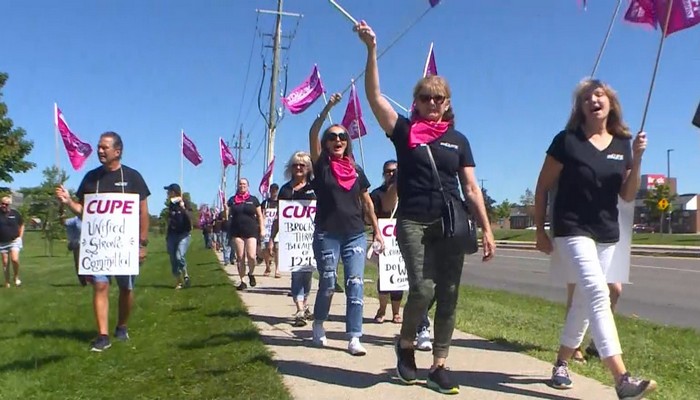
pixel 637 250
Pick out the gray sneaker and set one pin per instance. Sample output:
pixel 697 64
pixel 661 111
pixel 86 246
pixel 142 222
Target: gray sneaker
pixel 631 388
pixel 560 376
pixel 121 333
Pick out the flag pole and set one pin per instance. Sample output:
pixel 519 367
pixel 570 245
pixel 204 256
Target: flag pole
pixel 607 36
pixel 656 65
pixel 396 103
pixel 357 121
pixel 427 59
pixel 182 156
pixel 56 134
pixel 325 100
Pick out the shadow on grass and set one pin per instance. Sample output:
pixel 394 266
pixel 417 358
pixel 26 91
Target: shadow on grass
pixel 65 285
pixel 228 314
pixel 208 263
pixel 499 344
pixel 75 334
pixel 184 309
pixel 31 364
pixel 171 287
pixel 220 339
pixel 258 359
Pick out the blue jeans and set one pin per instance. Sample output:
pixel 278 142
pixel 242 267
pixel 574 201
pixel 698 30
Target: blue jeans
pixel 177 248
pixel 226 248
pixel 301 285
pixel 328 250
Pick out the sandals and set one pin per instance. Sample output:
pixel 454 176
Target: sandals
pixel 278 275
pixel 266 273
pixel 397 319
pixel 379 318
pixel 578 356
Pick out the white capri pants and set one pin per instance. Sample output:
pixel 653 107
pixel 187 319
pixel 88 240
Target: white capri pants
pixel 591 302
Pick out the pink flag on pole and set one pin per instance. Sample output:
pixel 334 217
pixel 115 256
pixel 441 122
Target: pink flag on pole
pixel 352 120
pixel 222 198
pixel 189 150
pixel 304 95
pixel 684 14
pixel 433 3
pixel 642 12
pixel 78 151
pixel 226 155
pixel 430 66
pixel 265 181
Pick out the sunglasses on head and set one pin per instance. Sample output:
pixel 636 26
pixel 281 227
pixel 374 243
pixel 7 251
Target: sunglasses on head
pixel 337 135
pixel 425 98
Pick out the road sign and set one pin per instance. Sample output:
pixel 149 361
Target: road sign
pixel 662 204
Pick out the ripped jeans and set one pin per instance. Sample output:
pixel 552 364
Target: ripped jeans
pixel 328 250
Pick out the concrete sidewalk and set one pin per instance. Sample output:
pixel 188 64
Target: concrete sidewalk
pixel 483 370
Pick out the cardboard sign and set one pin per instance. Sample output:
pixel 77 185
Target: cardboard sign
pixel 392 269
pixel 296 235
pixel 270 216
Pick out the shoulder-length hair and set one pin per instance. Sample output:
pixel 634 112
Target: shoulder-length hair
pixel 326 137
pixel 299 157
pixel 434 84
pixel 615 124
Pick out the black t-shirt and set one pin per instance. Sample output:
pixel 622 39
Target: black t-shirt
pixel 269 203
pixel 100 180
pixel 9 225
pixel 287 192
pixel 178 220
pixel 376 196
pixel 244 217
pixel 590 181
pixel 338 210
pixel 419 195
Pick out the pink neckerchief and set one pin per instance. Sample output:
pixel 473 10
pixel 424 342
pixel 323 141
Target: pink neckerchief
pixel 423 131
pixel 343 170
pixel 241 198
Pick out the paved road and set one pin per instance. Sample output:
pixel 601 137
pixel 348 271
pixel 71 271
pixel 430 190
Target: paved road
pixel 665 290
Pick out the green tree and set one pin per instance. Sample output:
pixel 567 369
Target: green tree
pixel 502 210
pixel 488 202
pixel 163 216
pixel 41 203
pixel 528 198
pixel 654 196
pixel 13 146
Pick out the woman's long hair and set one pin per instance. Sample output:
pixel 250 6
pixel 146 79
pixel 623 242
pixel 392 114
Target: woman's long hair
pixel 615 124
pixel 326 137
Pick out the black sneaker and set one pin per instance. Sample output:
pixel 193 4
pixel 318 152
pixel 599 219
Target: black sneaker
pixel 253 282
pixel 121 333
pixel 631 388
pixel 439 380
pixel 100 344
pixel 560 376
pixel 308 314
pixel 187 281
pixel 242 286
pixel 405 364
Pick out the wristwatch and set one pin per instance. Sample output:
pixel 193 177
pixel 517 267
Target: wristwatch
pixel 143 242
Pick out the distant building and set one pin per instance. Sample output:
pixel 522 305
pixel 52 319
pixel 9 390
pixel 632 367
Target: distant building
pixel 684 215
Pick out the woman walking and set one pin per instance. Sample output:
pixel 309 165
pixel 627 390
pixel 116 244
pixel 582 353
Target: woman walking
pixel 247 226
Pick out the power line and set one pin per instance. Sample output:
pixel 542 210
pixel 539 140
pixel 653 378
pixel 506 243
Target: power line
pixel 247 73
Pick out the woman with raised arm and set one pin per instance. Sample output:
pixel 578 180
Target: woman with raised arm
pixel 591 163
pixel 342 197
pixel 434 263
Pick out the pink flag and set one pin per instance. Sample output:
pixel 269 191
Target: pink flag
pixel 189 150
pixel 226 155
pixel 304 95
pixel 265 181
pixel 352 120
pixel 430 66
pixel 78 151
pixel 684 14
pixel 642 12
pixel 222 198
pixel 433 3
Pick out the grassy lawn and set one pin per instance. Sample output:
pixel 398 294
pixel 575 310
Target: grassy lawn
pixel 524 235
pixel 531 325
pixel 196 343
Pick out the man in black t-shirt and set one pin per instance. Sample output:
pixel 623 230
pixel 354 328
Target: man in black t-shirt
pixel 112 177
pixel 11 232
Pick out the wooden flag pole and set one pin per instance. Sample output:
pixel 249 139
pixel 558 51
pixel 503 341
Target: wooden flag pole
pixel 656 65
pixel 607 36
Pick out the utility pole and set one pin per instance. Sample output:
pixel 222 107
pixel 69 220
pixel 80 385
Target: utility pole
pixel 239 146
pixel 276 45
pixel 482 183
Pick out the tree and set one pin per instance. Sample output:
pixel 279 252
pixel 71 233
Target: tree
pixel 660 192
pixel 527 199
pixel 488 202
pixel 502 211
pixel 13 147
pixel 41 203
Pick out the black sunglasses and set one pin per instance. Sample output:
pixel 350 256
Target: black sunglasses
pixel 339 135
pixel 299 165
pixel 390 171
pixel 425 98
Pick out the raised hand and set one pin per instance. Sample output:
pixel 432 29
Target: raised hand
pixel 367 35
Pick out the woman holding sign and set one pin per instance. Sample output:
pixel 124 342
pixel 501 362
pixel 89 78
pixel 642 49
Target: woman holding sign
pixel 247 225
pixel 342 198
pixel 433 263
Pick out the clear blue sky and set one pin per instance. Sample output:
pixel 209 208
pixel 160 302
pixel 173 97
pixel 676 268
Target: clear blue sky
pixel 147 69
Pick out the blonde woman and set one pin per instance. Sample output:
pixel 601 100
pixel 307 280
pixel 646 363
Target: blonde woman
pixel 11 233
pixel 591 163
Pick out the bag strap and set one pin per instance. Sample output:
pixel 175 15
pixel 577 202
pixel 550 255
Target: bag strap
pixel 435 172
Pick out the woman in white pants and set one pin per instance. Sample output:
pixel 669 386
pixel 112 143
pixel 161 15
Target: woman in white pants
pixel 590 163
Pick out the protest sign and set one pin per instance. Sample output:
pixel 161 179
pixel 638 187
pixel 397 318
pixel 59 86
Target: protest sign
pixel 296 233
pixel 392 269
pixel 270 216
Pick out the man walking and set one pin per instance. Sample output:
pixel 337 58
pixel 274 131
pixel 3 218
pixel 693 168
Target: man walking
pixel 112 177
pixel 178 237
pixel 11 233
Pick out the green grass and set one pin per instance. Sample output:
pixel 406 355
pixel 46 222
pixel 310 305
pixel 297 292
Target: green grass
pixel 196 343
pixel 532 326
pixel 524 235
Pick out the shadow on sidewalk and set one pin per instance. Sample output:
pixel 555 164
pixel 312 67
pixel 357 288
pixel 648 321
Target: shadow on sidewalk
pixel 497 382
pixel 331 375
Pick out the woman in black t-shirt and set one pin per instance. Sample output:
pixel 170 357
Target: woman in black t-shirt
pixel 341 192
pixel 433 263
pixel 590 163
pixel 247 226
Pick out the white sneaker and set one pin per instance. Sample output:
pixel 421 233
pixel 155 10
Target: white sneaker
pixel 319 334
pixel 355 347
pixel 423 341
pixel 18 283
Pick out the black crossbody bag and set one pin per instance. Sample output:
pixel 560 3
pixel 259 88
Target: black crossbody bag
pixel 457 222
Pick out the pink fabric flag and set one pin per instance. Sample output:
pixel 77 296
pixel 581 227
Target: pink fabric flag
pixel 352 120
pixel 642 12
pixel 78 151
pixel 189 150
pixel 265 181
pixel 226 155
pixel 684 14
pixel 222 198
pixel 430 66
pixel 304 95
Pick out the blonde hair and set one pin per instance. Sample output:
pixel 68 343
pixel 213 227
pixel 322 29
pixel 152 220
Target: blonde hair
pixel 7 199
pixel 300 157
pixel 434 84
pixel 615 124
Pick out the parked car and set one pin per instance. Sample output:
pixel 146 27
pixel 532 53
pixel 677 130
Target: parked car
pixel 532 228
pixel 642 228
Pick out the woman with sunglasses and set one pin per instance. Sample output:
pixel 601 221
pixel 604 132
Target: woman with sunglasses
pixel 341 191
pixel 433 263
